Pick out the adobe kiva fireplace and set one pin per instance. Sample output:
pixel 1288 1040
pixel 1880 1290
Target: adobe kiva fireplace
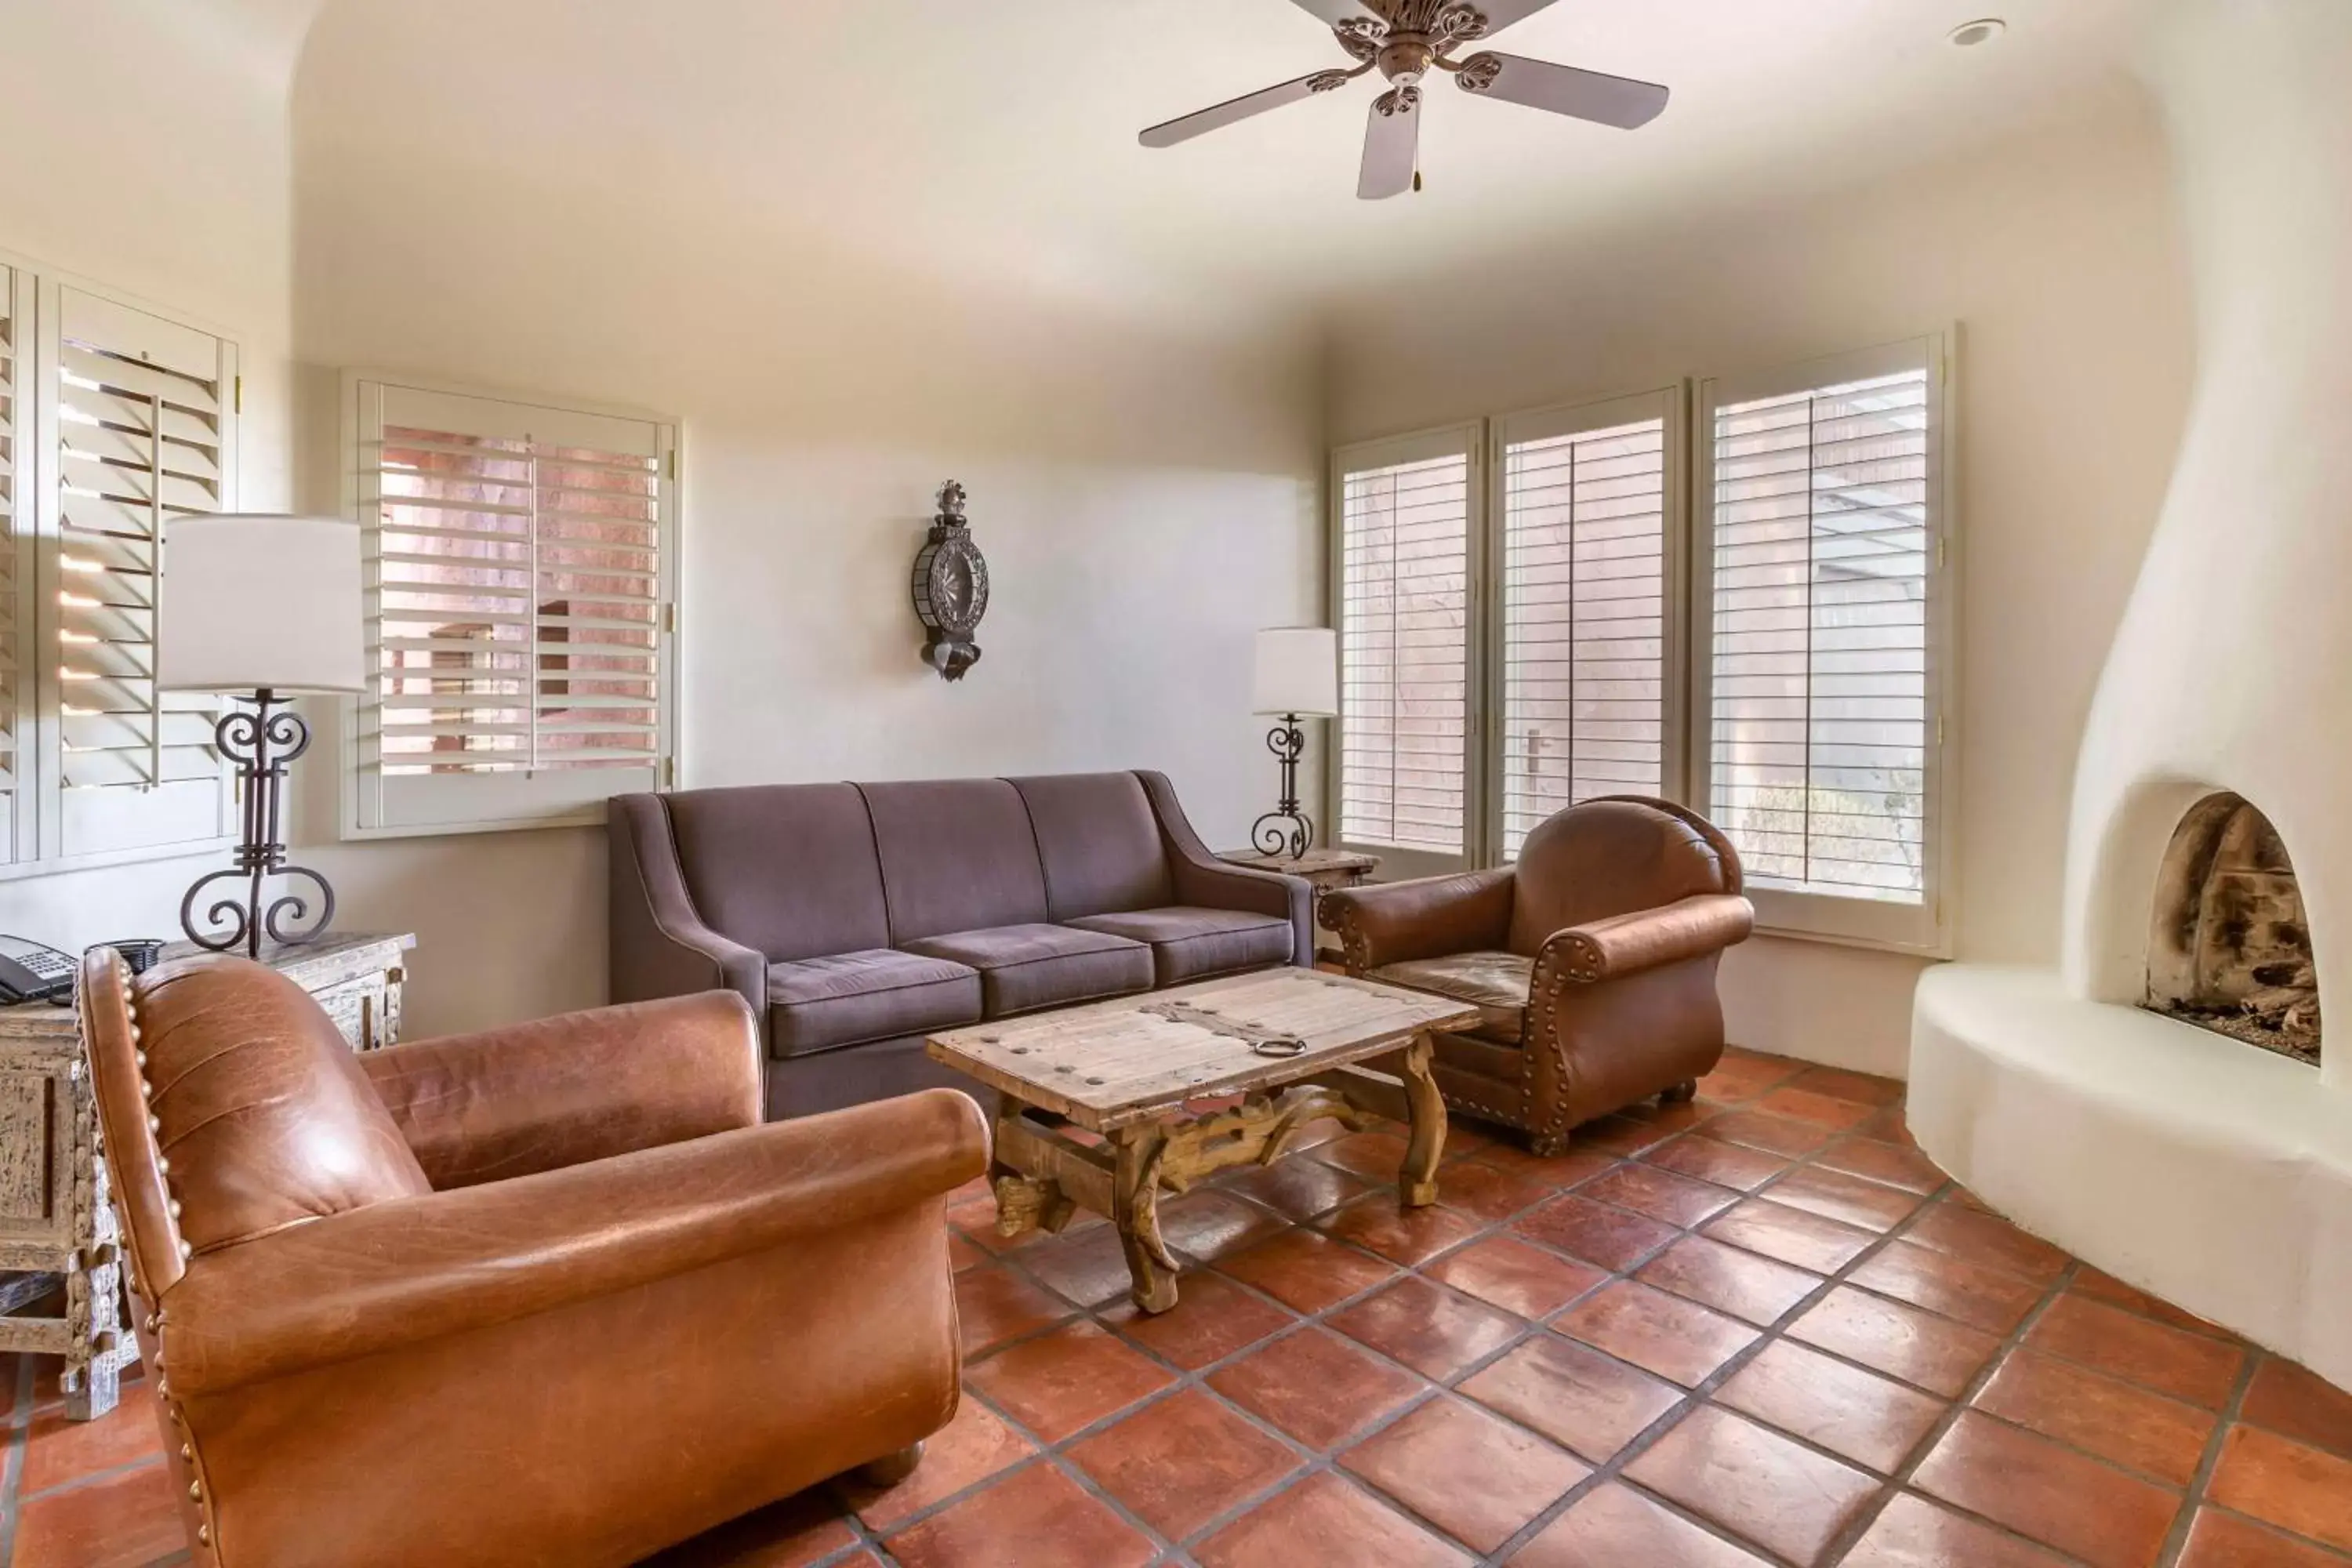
pixel 2116 1104
pixel 2229 947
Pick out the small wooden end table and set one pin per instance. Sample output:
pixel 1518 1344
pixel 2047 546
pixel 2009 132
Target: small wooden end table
pixel 1291 1042
pixel 1327 870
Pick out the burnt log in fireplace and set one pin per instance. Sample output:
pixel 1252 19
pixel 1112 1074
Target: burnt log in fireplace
pixel 2229 948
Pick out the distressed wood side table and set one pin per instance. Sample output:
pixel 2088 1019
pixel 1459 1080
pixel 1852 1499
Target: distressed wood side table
pixel 57 1225
pixel 1293 1044
pixel 1325 869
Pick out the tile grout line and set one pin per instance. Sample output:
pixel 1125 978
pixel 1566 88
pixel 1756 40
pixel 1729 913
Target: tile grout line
pixel 2175 1541
pixel 1700 1395
pixel 1317 1463
pixel 1899 1483
pixel 1493 1228
pixel 12 1465
pixel 1539 1327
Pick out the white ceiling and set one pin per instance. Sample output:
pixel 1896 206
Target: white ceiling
pixel 1000 133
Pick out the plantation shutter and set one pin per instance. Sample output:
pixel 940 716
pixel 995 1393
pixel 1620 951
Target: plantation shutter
pixel 1585 610
pixel 139 432
pixel 520 559
pixel 15 579
pixel 1823 720
pixel 1406 574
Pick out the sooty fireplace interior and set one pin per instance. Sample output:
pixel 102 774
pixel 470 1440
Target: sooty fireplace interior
pixel 2229 948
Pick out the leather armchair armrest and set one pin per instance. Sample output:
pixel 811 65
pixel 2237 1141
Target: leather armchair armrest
pixel 1197 876
pixel 561 1091
pixel 656 942
pixel 396 1275
pixel 1648 938
pixel 1390 922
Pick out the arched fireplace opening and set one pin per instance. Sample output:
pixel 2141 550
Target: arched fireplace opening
pixel 2229 949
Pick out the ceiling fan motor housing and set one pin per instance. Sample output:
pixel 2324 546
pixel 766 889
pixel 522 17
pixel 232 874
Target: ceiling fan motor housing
pixel 1406 61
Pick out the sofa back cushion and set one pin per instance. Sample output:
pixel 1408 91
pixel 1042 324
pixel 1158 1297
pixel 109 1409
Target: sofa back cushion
pixel 262 1111
pixel 1611 857
pixel 786 869
pixel 957 855
pixel 1099 843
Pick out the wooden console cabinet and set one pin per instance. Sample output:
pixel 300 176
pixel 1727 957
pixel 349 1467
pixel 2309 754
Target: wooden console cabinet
pixel 57 1228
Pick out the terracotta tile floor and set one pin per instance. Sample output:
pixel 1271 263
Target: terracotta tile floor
pixel 1759 1330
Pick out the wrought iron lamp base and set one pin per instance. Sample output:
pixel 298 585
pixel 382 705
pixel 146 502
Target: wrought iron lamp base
pixel 261 744
pixel 1286 830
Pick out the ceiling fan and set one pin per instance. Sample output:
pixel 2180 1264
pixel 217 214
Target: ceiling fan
pixel 1404 40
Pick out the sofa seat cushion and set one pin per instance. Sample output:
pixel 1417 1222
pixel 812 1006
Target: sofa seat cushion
pixel 1190 943
pixel 847 998
pixel 1025 967
pixel 1497 983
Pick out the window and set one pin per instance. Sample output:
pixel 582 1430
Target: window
pixel 134 425
pixel 1405 572
pixel 1736 597
pixel 115 420
pixel 1818 734
pixel 521 562
pixel 1587 625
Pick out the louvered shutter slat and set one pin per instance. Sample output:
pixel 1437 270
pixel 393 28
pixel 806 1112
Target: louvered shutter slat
pixel 1821 706
pixel 1584 615
pixel 123 375
pixel 519 568
pixel 1404 654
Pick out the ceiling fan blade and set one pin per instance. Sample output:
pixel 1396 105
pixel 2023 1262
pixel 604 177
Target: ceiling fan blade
pixel 1563 89
pixel 1331 12
pixel 1239 108
pixel 1501 14
pixel 1392 144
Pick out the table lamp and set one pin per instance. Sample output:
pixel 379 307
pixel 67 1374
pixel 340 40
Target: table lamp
pixel 1297 677
pixel 259 609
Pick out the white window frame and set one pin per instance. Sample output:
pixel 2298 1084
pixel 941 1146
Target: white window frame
pixel 1670 404
pixel 1926 927
pixel 40 847
pixel 500 802
pixel 1469 442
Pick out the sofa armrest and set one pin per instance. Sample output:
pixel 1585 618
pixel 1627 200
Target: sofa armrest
pixel 561 1091
pixel 1648 938
pixel 655 942
pixel 1197 876
pixel 399 1274
pixel 1390 922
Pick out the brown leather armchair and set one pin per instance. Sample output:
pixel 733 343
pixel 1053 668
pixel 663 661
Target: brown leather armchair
pixel 1592 960
pixel 549 1294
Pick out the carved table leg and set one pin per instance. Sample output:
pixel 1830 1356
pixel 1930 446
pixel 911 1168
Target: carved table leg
pixel 94 1339
pixel 1135 1205
pixel 1418 1179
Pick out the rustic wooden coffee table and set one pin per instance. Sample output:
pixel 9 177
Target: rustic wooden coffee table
pixel 1291 1042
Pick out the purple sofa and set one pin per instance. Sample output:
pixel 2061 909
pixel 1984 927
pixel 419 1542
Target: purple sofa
pixel 857 919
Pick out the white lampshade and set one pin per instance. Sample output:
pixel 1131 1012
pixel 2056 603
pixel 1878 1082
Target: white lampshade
pixel 251 602
pixel 1298 672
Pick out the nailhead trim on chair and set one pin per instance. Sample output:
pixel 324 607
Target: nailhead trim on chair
pixel 1543 1002
pixel 155 1316
pixel 1355 947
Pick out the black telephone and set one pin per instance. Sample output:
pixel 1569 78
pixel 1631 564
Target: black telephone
pixel 31 972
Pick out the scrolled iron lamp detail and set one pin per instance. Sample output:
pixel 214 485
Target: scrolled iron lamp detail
pixel 1269 834
pixel 261 744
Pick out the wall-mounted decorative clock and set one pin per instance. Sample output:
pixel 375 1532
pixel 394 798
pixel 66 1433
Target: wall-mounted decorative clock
pixel 950 588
